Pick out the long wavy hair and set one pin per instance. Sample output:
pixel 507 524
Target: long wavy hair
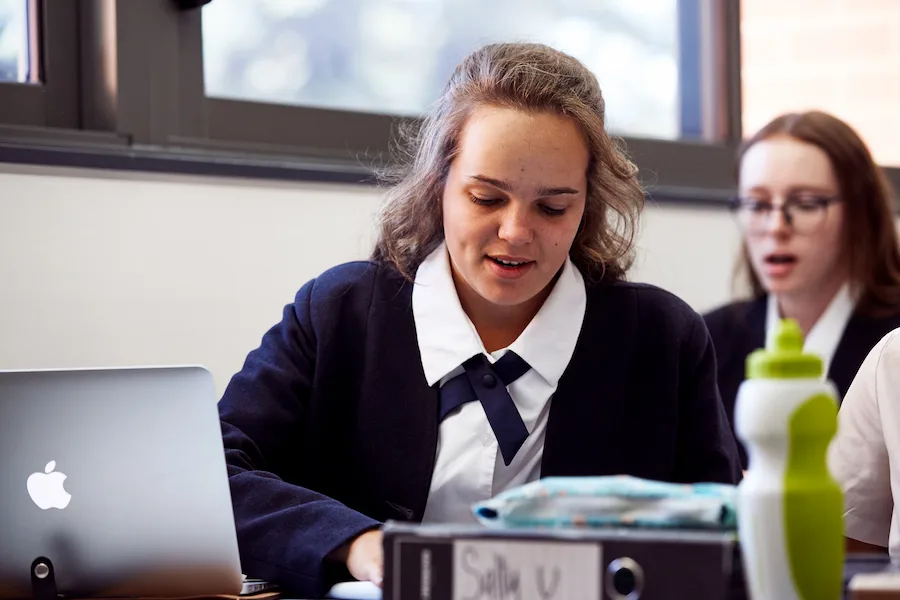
pixel 530 78
pixel 869 237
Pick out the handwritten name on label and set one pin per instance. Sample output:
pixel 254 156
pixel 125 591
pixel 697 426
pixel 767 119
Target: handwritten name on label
pixel 491 570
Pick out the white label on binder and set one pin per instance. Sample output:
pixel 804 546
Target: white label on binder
pixel 512 570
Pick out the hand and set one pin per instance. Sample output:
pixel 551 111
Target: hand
pixel 365 557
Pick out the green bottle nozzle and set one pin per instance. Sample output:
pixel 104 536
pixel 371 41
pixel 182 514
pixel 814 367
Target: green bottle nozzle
pixel 783 356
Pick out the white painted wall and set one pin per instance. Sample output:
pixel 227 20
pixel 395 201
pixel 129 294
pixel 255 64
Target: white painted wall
pixel 113 269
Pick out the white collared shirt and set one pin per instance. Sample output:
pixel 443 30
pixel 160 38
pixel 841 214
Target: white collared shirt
pixel 824 337
pixel 469 467
pixel 865 454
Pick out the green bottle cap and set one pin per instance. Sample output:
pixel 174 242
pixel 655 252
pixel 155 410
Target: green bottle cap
pixel 783 356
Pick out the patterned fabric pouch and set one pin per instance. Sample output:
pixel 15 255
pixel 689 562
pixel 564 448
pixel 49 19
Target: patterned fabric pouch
pixel 613 501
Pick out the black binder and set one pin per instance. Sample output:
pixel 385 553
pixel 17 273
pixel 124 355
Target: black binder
pixel 431 562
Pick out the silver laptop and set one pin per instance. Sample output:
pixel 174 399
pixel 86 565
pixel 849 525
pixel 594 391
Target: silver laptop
pixel 116 477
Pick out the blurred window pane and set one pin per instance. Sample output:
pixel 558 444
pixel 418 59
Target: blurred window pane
pixel 394 56
pixel 15 41
pixel 840 57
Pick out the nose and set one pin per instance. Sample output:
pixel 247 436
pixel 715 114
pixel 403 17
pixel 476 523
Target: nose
pixel 515 226
pixel 778 224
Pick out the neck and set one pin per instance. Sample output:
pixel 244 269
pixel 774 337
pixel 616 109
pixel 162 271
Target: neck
pixel 499 326
pixel 503 327
pixel 807 308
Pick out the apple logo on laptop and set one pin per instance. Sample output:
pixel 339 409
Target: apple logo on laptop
pixel 46 489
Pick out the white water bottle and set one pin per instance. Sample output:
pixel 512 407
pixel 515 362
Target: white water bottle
pixel 790 508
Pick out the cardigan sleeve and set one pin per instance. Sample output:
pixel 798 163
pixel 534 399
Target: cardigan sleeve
pixel 285 532
pixel 707 450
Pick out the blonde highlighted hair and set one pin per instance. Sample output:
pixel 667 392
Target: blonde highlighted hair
pixel 526 77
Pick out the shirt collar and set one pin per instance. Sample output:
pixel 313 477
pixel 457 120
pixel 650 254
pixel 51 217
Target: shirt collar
pixel 826 333
pixel 548 342
pixel 447 336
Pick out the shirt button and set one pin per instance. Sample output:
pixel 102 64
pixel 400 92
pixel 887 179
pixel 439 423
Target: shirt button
pixel 486 441
pixel 489 380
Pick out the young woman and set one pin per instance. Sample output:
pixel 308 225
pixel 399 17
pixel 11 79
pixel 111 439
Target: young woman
pixel 865 454
pixel 820 246
pixel 489 341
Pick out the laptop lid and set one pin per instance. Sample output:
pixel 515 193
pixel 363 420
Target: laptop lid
pixel 118 477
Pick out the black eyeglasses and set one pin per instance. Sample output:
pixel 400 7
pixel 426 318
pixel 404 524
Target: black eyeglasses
pixel 804 214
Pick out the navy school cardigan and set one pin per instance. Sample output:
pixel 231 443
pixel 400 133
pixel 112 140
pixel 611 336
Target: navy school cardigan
pixel 740 328
pixel 330 428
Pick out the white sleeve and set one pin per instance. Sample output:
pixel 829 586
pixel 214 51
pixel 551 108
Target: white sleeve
pixel 865 454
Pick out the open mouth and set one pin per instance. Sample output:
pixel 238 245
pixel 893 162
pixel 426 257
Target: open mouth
pixel 780 259
pixel 511 263
pixel 510 266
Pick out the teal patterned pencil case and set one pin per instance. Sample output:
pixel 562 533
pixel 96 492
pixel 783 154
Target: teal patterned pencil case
pixel 612 501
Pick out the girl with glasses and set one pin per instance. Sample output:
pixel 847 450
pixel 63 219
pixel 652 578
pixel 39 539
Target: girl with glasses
pixel 819 246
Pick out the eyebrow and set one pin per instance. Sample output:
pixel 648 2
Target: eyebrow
pixel 542 192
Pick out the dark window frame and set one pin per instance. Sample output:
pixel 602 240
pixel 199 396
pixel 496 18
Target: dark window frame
pixel 693 168
pixel 52 100
pixel 125 91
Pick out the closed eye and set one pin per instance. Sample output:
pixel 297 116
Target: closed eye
pixel 484 201
pixel 553 212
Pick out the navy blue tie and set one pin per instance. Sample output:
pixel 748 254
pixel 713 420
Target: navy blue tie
pixel 488 382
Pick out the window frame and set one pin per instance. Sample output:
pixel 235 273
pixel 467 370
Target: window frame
pixel 692 168
pixel 125 91
pixel 53 101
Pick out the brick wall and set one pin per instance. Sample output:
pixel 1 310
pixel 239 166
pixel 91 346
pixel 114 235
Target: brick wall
pixel 841 56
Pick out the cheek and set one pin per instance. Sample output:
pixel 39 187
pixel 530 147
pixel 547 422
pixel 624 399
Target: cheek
pixel 559 240
pixel 831 244
pixel 464 229
pixel 753 245
pixel 567 232
pixel 565 240
pixel 834 228
pixel 828 240
pixel 451 215
pixel 754 252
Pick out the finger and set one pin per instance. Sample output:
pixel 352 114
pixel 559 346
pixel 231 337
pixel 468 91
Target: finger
pixel 375 574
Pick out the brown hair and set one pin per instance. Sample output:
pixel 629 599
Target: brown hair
pixel 527 77
pixel 869 236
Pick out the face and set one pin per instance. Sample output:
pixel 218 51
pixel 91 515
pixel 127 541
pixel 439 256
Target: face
pixel 793 259
pixel 512 205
